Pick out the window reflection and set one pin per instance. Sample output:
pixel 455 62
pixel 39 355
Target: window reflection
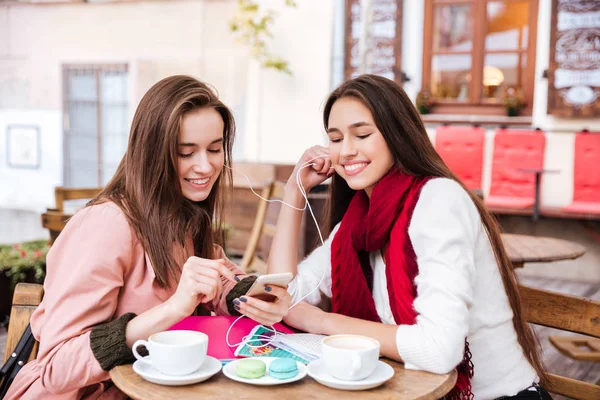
pixel 453 28
pixel 450 76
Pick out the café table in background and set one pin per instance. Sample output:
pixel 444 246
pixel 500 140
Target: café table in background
pixel 530 249
pixel 406 384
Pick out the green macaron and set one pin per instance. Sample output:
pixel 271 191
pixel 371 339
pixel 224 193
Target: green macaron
pixel 283 368
pixel 250 368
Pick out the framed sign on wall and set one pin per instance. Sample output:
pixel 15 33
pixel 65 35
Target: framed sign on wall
pixel 23 146
pixel 574 73
pixel 383 36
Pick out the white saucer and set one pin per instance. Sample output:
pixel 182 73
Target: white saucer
pixel 209 367
pixel 383 372
pixel 266 380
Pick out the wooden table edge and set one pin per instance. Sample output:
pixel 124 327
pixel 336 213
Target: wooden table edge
pixel 443 390
pixel 121 383
pixel 577 251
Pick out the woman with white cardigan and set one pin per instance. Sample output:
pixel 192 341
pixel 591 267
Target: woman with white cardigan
pixel 412 259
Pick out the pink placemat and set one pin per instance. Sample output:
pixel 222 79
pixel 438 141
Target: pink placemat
pixel 216 328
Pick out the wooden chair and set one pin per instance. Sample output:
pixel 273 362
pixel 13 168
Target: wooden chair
pixel 62 194
pixel 569 313
pixel 243 206
pixel 262 228
pixel 26 298
pixel 55 219
pixel 579 348
pixel 55 222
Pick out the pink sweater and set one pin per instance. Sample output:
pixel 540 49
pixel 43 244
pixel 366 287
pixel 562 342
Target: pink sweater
pixel 97 271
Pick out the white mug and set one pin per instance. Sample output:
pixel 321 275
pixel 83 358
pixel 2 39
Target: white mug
pixel 174 353
pixel 350 357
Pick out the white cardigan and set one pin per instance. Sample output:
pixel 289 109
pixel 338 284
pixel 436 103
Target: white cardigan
pixel 459 294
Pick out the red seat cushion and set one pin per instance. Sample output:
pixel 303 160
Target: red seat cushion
pixel 515 150
pixel 461 148
pixel 582 207
pixel 508 202
pixel 586 174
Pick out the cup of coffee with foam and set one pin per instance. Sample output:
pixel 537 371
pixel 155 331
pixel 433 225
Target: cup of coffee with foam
pixel 174 353
pixel 350 357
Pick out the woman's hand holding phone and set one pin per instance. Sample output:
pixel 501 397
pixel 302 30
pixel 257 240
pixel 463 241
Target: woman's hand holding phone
pixel 266 302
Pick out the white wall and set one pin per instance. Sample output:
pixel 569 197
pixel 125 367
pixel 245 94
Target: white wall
pixel 174 37
pixel 412 45
pixel 32 189
pixel 155 39
pixel 283 117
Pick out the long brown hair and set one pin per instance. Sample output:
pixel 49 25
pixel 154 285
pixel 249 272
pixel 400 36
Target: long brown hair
pixel 146 184
pixel 398 121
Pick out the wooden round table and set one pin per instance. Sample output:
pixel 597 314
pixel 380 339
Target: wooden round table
pixel 405 384
pixel 524 249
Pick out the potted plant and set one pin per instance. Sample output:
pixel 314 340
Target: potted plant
pixel 424 101
pixel 513 100
pixel 20 262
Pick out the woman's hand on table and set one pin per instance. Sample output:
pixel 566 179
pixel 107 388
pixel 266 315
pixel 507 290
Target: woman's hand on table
pixel 307 318
pixel 264 312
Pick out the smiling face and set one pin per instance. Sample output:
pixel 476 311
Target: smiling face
pixel 200 152
pixel 359 152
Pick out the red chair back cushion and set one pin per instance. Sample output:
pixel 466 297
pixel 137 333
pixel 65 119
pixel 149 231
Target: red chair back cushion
pixel 461 148
pixel 514 150
pixel 586 179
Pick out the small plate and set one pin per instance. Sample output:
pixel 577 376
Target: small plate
pixel 266 380
pixel 383 372
pixel 209 367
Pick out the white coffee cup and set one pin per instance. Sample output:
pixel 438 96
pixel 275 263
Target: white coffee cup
pixel 350 357
pixel 174 353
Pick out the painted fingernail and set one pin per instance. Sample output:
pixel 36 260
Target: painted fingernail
pixel 236 278
pixel 243 299
pixel 236 302
pixel 236 308
pixel 267 288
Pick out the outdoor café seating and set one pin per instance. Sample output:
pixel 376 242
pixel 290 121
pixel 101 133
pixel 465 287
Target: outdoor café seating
pixel 262 229
pixel 56 218
pixel 518 154
pixel 586 176
pixel 461 148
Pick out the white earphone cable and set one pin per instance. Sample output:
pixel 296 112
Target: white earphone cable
pixel 247 340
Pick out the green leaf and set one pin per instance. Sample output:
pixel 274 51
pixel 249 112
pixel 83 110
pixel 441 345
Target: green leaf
pixel 251 27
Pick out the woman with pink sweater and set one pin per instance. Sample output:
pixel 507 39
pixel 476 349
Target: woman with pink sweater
pixel 141 256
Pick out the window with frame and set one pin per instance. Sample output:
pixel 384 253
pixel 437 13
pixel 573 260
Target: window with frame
pixel 96 122
pixel 474 51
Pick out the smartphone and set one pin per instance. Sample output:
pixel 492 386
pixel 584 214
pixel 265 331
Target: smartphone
pixel 257 290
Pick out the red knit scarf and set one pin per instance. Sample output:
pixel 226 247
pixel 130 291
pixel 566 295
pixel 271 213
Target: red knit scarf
pixel 369 225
